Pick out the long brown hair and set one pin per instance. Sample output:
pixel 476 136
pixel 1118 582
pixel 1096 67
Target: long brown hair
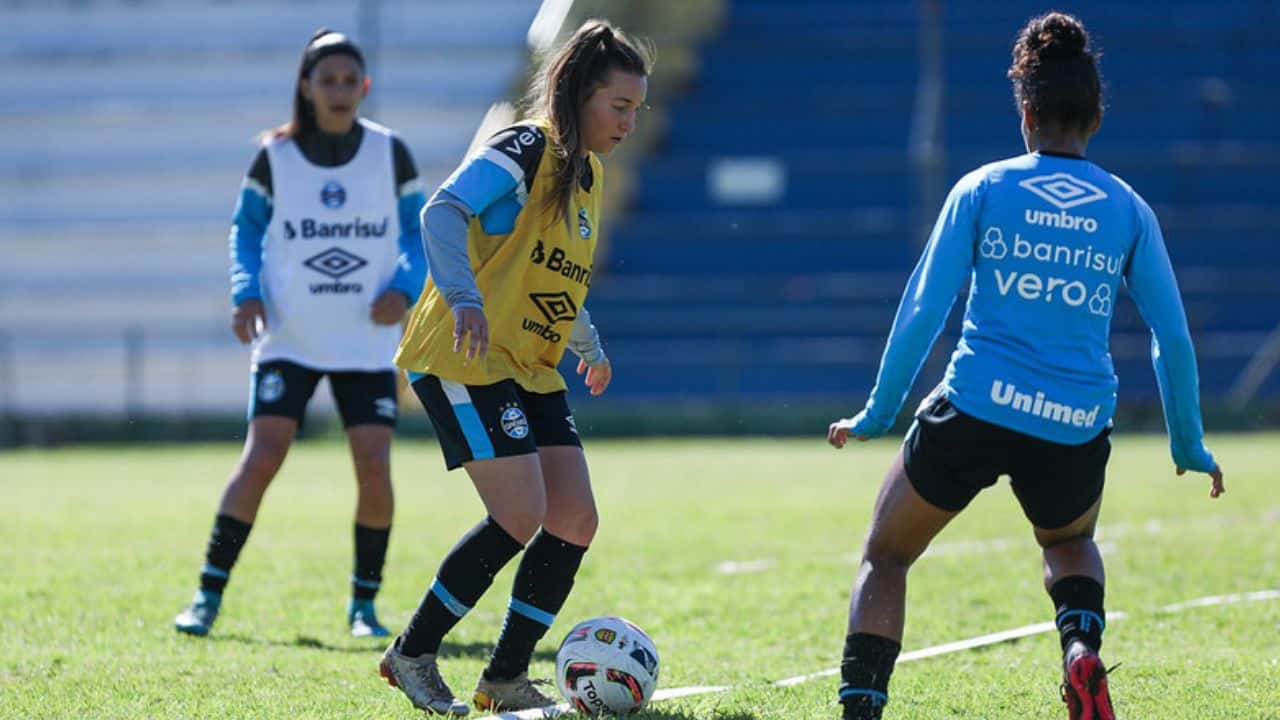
pixel 568 79
pixel 323 43
pixel 1055 73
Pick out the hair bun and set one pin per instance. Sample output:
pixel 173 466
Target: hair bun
pixel 1058 36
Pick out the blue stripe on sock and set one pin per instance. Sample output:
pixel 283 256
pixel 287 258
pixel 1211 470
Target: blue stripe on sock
pixel 877 698
pixel 473 430
pixel 1085 617
pixel 454 605
pixel 531 612
pixel 370 584
pixel 214 571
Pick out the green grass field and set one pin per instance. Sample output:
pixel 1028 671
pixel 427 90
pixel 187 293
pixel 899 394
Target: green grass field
pixel 101 547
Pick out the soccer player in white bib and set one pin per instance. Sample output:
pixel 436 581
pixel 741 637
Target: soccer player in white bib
pixel 326 259
pixel 1044 240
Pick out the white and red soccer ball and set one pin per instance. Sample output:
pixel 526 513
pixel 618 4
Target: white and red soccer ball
pixel 607 665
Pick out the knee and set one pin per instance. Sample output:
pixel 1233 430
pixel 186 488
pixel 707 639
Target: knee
pixel 370 450
pixel 884 557
pixel 522 522
pixel 372 463
pixel 582 526
pixel 262 461
pixel 1065 547
pixel 1065 542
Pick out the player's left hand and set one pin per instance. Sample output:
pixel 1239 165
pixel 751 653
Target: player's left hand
pixel 598 377
pixel 389 308
pixel 838 432
pixel 1216 487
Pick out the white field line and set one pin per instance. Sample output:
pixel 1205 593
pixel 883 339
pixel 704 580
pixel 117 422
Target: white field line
pixel 947 648
pixel 1223 600
pixel 1038 628
pixel 936 650
pixel 744 567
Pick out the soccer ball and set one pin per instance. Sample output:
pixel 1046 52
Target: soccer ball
pixel 607 665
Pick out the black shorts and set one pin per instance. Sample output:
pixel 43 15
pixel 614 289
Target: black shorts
pixel 281 388
pixel 479 422
pixel 950 457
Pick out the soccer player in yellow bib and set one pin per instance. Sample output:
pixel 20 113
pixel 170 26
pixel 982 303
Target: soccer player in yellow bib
pixel 510 238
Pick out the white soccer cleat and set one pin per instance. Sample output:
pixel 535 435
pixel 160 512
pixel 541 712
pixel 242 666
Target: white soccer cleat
pixel 419 679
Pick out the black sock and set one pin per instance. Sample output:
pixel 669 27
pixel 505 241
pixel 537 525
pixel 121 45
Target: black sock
pixel 542 584
pixel 1077 601
pixel 225 541
pixel 864 674
pixel 467 571
pixel 371 553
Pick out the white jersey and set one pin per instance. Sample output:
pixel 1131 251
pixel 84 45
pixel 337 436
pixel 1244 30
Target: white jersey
pixel 330 250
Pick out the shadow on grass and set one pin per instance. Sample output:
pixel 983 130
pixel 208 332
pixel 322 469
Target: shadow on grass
pixel 448 649
pixel 664 715
pixel 649 714
pixel 306 642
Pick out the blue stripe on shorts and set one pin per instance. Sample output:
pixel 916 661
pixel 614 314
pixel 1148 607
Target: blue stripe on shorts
pixel 469 420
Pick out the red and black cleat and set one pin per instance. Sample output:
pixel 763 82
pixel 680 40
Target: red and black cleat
pixel 1084 685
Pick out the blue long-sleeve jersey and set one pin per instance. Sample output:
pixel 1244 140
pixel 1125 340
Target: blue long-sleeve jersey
pixel 1045 242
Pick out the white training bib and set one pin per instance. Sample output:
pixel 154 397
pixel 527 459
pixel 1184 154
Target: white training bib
pixel 330 251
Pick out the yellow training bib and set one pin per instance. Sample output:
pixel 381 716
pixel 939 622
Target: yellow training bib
pixel 533 281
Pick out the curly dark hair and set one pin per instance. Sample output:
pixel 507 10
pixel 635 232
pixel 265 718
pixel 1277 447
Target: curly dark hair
pixel 1055 73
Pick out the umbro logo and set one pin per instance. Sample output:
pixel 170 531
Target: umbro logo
pixel 335 262
pixel 555 306
pixel 1063 191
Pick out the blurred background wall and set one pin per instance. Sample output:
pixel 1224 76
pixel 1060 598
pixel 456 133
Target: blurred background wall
pixel 763 221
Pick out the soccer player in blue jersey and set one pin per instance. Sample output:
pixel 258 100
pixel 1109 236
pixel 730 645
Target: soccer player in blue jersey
pixel 325 260
pixel 1044 239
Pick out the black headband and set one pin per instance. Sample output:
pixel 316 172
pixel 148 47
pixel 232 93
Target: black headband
pixel 333 43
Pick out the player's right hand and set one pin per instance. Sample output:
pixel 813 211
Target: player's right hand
pixel 470 325
pixel 248 320
pixel 1217 488
pixel 839 431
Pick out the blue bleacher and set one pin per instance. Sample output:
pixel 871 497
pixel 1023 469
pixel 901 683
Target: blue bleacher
pixel 792 295
pixel 127 129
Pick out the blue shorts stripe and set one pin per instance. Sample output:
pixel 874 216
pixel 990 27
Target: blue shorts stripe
pixel 473 430
pixel 414 376
pixel 531 612
pixel 468 419
pixel 454 605
pixel 877 698
pixel 253 395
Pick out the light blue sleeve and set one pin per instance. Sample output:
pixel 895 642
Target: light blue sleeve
pixel 411 264
pixel 1154 288
pixel 482 180
pixel 945 265
pixel 248 228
